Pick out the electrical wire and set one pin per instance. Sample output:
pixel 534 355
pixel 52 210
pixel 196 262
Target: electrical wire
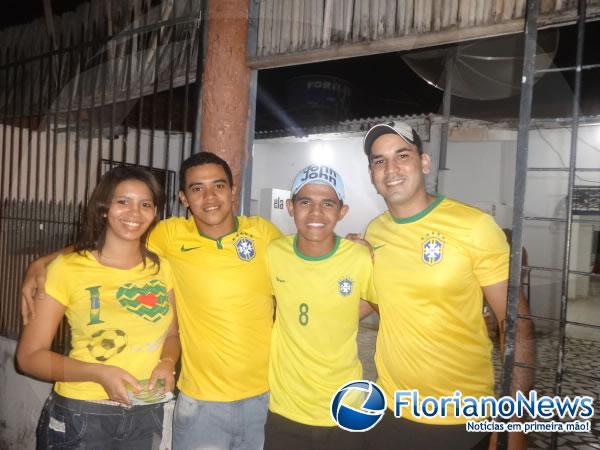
pixel 553 148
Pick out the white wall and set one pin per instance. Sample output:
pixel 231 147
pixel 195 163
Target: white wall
pixel 21 400
pixel 482 162
pixel 546 194
pixel 277 163
pixel 474 174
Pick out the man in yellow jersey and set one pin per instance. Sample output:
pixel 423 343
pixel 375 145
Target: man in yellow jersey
pixel 225 311
pixel 435 259
pixel 224 306
pixel 318 281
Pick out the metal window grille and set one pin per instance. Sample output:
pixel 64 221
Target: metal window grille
pixel 110 90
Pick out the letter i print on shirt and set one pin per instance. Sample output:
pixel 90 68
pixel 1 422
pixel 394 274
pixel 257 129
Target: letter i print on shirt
pixel 94 305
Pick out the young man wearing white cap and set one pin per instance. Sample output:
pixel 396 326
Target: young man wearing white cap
pixel 318 282
pixel 435 259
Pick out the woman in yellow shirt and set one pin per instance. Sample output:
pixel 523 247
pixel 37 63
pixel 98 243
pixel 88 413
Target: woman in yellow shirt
pixel 118 298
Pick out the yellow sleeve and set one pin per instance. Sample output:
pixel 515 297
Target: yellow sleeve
pixel 268 258
pixel 159 238
pixel 271 231
pixel 367 288
pixel 489 252
pixel 57 281
pixel 371 292
pixel 165 268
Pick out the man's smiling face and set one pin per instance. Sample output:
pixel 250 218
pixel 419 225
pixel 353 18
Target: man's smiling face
pixel 397 170
pixel 209 196
pixel 316 210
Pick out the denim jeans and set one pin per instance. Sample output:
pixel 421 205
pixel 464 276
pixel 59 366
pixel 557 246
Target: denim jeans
pixel 204 425
pixel 77 424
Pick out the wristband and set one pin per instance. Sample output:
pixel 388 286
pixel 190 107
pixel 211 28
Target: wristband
pixel 166 359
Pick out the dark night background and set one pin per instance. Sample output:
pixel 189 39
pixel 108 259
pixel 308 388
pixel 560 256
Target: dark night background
pixel 385 85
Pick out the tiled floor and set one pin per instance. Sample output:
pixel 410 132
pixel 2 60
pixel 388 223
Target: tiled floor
pixel 582 356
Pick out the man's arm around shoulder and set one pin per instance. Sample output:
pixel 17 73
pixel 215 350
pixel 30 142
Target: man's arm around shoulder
pixel 33 282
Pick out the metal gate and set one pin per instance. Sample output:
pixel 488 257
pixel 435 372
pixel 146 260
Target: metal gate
pixel 569 368
pixel 114 83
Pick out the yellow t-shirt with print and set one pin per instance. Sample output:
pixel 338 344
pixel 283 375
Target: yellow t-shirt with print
pixel 224 306
pixel 117 317
pixel 313 348
pixel 429 271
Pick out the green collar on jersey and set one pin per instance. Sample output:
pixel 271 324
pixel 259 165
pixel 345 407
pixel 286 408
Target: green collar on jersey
pixel 421 214
pixel 236 226
pixel 301 255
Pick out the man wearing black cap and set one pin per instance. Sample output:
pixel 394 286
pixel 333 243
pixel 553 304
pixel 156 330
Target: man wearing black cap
pixel 435 259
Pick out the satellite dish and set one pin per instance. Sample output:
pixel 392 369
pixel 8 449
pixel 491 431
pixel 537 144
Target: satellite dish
pixel 487 69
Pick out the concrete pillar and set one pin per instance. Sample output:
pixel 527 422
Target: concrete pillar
pixel 226 84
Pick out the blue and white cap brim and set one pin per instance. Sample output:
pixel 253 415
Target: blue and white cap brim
pixel 319 174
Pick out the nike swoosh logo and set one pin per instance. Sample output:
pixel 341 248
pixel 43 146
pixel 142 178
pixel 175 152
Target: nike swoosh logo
pixel 279 279
pixel 183 249
pixel 375 247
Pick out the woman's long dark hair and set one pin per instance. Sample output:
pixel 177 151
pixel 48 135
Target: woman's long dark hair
pixel 93 230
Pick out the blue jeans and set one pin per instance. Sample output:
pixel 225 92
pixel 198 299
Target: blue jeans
pixel 204 425
pixel 77 424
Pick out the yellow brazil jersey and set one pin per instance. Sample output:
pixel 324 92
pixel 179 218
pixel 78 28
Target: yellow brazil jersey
pixel 313 349
pixel 117 317
pixel 429 270
pixel 224 306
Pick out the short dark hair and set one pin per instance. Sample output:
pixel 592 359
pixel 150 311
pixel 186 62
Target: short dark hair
pixel 417 142
pixel 93 230
pixel 200 159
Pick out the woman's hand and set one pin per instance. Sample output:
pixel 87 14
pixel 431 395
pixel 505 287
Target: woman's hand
pixel 115 381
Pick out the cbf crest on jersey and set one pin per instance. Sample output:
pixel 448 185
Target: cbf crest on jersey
pixel 433 249
pixel 245 248
pixel 345 287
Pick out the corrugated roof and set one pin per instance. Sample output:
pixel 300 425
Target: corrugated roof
pixel 421 122
pixel 346 126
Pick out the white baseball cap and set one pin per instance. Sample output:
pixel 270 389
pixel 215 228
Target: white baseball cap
pixel 319 174
pixel 402 129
